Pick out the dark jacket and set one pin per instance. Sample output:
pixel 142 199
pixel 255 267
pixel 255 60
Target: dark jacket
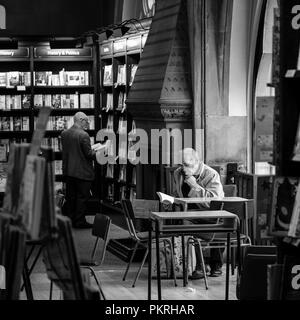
pixel 77 154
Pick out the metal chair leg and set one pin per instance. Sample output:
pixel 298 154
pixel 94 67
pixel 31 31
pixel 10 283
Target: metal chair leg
pixel 94 249
pixel 140 268
pixel 130 261
pixel 203 264
pixel 51 290
pixel 187 260
pixel 97 281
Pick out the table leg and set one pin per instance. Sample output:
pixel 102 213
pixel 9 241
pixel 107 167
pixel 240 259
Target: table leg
pixel 227 267
pixel 149 260
pixel 238 254
pixel 158 260
pixel 184 271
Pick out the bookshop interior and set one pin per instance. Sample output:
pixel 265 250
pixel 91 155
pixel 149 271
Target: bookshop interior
pixel 149 150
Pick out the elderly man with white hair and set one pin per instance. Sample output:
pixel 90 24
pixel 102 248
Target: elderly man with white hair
pixel 194 179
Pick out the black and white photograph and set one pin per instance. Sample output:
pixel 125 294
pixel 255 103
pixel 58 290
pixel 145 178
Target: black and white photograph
pixel 150 155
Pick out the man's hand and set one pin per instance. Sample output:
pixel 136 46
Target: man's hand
pixel 192 182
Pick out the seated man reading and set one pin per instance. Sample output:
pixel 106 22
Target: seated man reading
pixel 194 179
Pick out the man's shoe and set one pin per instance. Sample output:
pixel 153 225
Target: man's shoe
pixel 82 225
pixel 197 274
pixel 216 273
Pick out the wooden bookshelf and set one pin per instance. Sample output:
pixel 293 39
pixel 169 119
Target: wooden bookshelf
pixel 118 57
pixel 71 96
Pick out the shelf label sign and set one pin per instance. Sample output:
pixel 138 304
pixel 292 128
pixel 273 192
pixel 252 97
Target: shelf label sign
pixel 15 53
pixel 47 52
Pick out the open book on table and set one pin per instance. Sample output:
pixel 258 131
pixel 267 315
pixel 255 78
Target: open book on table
pixel 164 198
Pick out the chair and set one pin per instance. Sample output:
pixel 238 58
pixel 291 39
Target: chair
pixel 141 239
pixel 240 208
pixel 252 283
pixel 100 230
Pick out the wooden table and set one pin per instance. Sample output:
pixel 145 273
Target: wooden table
pixel 186 201
pixel 158 218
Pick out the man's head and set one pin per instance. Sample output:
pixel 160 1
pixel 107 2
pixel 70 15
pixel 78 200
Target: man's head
pixel 190 161
pixel 82 120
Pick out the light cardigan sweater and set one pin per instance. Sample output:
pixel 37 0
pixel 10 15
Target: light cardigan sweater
pixel 207 178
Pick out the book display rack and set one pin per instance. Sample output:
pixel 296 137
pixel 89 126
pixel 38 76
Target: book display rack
pixel 34 76
pixel 119 59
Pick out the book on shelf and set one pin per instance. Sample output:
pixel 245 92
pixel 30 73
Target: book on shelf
pixel 123 150
pixel 122 129
pixel 165 198
pixel 91 122
pixel 58 167
pixel 296 152
pixel 4 147
pixel 15 123
pixel 122 194
pixel 121 75
pixel 87 101
pixel 109 102
pixel 122 174
pixel 294 227
pixel 108 76
pixel 133 70
pixel 285 198
pixel 26 101
pixel 110 124
pixel 42 78
pixel 121 101
pixel 109 171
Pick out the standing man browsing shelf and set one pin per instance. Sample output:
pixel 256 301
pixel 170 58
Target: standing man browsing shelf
pixel 194 179
pixel 78 169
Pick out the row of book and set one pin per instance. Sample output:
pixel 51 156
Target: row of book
pixel 122 193
pixel 5 147
pixel 65 101
pixel 15 78
pixel 63 78
pixel 122 173
pixel 15 102
pixel 110 102
pixel 121 79
pixel 56 145
pixel 58 123
pixel 14 124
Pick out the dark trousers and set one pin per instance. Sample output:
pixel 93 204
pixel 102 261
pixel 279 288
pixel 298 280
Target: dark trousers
pixel 215 260
pixel 77 195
